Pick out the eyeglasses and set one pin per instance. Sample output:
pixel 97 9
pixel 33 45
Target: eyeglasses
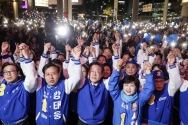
pixel 9 72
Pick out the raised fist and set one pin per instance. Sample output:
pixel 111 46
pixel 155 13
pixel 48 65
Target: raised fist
pixel 5 46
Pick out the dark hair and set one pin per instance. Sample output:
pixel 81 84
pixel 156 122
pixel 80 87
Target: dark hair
pixel 131 78
pixel 159 66
pixel 126 53
pixel 136 36
pixel 98 64
pixel 86 68
pixel 50 65
pixel 37 59
pixel 61 54
pixel 56 61
pixel 101 56
pixel 11 64
pixel 109 49
pixel 159 54
pixel 106 64
pixel 132 45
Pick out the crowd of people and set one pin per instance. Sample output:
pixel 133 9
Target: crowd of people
pixel 97 74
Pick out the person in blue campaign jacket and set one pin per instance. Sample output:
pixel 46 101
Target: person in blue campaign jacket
pixel 158 110
pixel 14 90
pixel 183 96
pixel 131 68
pixel 52 93
pixel 128 102
pixel 93 94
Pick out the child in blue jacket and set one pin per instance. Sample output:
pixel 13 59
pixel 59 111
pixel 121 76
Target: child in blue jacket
pixel 128 102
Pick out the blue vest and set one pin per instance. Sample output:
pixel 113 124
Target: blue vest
pixel 184 107
pixel 160 107
pixel 92 102
pixel 15 102
pixel 52 104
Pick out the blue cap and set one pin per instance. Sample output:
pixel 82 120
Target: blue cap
pixel 158 38
pixel 132 62
pixel 158 74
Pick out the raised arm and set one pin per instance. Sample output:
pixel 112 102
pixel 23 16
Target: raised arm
pixel 149 85
pixel 44 59
pixel 16 54
pixel 30 82
pixel 174 75
pixel 5 55
pixel 95 44
pixel 53 54
pixel 115 56
pixel 114 80
pixel 92 57
pixel 73 80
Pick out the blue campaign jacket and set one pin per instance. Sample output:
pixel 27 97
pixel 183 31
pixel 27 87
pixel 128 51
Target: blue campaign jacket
pixel 52 104
pixel 160 106
pixel 184 107
pixel 14 102
pixel 92 102
pixel 129 113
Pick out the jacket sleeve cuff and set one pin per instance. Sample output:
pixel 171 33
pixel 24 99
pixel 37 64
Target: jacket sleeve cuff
pixel 22 59
pixel 45 55
pixel 66 61
pixel 172 66
pixel 116 57
pixel 77 62
pixel 27 60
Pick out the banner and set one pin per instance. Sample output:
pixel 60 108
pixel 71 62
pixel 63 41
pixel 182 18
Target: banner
pixel 147 8
pixel 42 3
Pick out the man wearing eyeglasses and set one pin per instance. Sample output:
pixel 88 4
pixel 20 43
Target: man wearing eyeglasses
pixel 14 90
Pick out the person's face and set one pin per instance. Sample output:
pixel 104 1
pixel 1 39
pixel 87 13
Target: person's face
pixel 156 49
pixel 156 68
pixel 10 73
pixel 61 58
pixel 102 60
pixel 95 73
pixel 96 35
pixel 132 50
pixel 100 51
pixel 84 72
pixel 37 64
pixel 157 60
pixel 130 69
pixel 186 74
pixel 137 39
pixel 159 84
pixel 107 53
pixel 129 89
pixel 107 72
pixel 51 75
pixel 126 57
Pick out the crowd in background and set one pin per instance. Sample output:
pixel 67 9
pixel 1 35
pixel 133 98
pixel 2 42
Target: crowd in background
pixel 144 53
